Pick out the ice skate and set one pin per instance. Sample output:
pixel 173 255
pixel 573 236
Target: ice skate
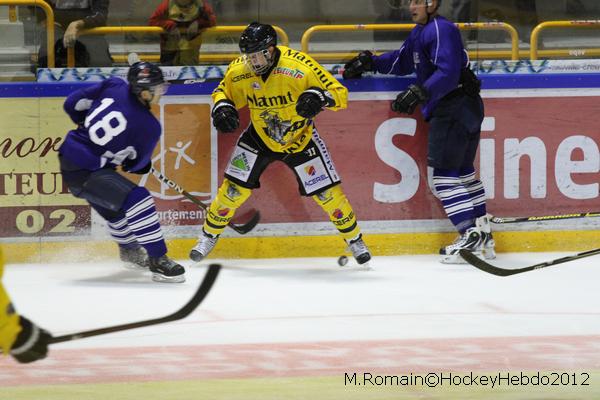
pixel 134 257
pixel 488 244
pixel 203 246
pixel 166 270
pixel 470 240
pixel 359 250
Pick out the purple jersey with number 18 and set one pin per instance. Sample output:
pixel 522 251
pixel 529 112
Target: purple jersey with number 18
pixel 113 125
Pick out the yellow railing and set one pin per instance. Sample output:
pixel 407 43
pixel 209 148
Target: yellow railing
pixel 407 27
pixel 515 54
pixel 561 24
pixel 115 30
pixel 49 21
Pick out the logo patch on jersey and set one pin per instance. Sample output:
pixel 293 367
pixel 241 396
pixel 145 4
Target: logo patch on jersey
pixel 241 162
pixel 223 212
pixel 313 175
pixel 271 101
pixel 276 128
pixel 310 63
pixel 240 166
pixel 237 78
pixel 338 214
pixel 233 192
pixel 416 58
pixel 255 86
pixel 292 73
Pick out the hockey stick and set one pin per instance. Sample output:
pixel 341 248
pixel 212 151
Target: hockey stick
pixel 242 229
pixel 205 286
pixel 510 220
pixel 490 269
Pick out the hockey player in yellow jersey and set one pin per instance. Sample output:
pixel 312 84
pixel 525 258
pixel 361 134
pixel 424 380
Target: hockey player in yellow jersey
pixel 19 337
pixel 284 89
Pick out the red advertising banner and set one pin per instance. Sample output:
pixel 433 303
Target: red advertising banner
pixel 538 155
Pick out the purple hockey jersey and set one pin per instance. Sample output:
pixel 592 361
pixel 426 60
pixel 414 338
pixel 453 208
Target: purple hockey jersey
pixel 435 52
pixel 113 125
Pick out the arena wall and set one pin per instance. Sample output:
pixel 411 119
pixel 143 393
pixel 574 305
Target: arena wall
pixel 539 155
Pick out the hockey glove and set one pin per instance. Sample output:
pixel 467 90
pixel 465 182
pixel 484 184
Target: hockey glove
pixel 225 116
pixel 354 68
pixel 312 101
pixel 31 343
pixel 408 100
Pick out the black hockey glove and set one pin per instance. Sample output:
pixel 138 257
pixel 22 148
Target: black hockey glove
pixel 354 68
pixel 225 116
pixel 408 100
pixel 312 100
pixel 128 164
pixel 31 343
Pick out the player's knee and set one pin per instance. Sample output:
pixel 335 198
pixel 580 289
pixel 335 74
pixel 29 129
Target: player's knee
pixel 330 198
pixel 135 196
pixel 232 195
pixel 445 180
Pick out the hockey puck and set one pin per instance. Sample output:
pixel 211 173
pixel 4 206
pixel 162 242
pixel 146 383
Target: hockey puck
pixel 342 261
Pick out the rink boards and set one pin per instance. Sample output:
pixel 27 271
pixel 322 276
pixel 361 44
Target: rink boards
pixel 539 155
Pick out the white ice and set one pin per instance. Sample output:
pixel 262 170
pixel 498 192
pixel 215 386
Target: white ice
pixel 313 299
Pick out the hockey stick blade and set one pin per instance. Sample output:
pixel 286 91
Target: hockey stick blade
pixel 490 269
pixel 203 290
pixel 242 229
pixel 511 220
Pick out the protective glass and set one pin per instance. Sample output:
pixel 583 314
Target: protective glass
pixel 259 61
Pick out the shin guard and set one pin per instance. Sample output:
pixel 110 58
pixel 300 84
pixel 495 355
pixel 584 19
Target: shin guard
pixel 229 198
pixel 142 221
pixel 337 206
pixel 455 198
pixel 475 189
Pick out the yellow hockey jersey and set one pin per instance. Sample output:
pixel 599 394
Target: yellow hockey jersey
pixel 272 103
pixel 9 320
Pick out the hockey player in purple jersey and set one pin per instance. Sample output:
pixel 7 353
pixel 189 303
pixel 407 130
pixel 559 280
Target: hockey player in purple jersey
pixel 116 128
pixel 448 91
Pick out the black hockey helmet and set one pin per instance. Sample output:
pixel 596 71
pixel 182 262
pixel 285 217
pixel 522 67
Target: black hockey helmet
pixel 255 42
pixel 257 37
pixel 144 75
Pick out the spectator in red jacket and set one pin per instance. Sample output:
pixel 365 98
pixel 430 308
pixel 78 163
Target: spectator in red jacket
pixel 183 20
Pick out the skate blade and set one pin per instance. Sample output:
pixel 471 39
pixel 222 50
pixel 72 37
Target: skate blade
pixel 168 279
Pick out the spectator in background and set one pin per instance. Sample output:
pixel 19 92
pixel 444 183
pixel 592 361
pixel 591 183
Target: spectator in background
pixel 462 11
pixel 393 12
pixel 71 16
pixel 183 20
pixel 465 11
pixel 527 17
